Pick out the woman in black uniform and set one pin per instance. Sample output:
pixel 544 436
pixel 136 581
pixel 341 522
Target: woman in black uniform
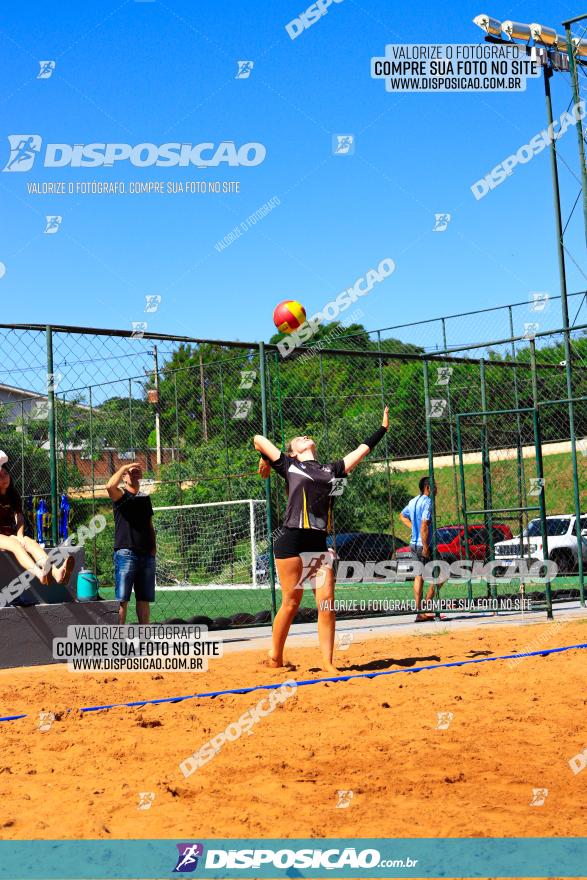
pixel 307 521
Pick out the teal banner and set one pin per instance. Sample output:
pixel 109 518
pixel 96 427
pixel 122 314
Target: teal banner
pixel 357 858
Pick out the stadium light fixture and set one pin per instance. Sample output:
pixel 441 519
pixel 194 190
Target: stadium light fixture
pixel 491 26
pixel 580 47
pixel 546 35
pixel 548 50
pixel 515 30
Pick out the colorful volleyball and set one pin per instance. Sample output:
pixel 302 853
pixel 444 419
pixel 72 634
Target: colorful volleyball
pixel 289 315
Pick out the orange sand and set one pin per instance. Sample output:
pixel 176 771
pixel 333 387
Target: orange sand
pixel 513 730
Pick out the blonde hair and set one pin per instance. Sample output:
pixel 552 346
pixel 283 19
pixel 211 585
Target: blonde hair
pixel 289 450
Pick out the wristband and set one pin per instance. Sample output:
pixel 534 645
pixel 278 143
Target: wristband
pixel 374 439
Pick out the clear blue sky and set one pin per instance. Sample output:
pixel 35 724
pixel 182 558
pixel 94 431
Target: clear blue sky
pixel 155 72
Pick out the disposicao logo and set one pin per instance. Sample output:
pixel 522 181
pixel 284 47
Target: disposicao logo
pixel 187 859
pixel 25 147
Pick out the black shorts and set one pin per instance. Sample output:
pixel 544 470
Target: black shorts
pixel 291 542
pixel 417 551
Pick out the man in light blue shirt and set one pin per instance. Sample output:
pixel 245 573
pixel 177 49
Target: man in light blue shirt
pixel 417 516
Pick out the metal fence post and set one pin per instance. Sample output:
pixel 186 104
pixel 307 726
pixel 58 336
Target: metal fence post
pixel 22 444
pixel 52 436
pixel 464 507
pixel 93 474
pixel 262 366
pixel 452 440
pixel 486 471
pixel 520 451
pixel 540 472
pixel 565 315
pixel 579 123
pixel 387 456
pixel 429 445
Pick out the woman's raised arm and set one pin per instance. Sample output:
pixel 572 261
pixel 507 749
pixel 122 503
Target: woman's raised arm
pixel 357 455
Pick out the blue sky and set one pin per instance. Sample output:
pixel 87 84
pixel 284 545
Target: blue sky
pixel 156 72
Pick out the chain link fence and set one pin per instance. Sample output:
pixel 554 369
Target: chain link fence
pixel 75 405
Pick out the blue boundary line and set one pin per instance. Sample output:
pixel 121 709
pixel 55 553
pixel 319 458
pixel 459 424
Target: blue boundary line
pixel 310 681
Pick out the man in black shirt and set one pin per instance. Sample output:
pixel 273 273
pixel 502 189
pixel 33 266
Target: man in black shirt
pixel 134 541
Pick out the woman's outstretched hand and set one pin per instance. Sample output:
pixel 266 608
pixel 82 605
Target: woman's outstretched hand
pixel 264 469
pixel 385 422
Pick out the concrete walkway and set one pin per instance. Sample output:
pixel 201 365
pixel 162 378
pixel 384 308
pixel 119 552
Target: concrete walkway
pixel 305 634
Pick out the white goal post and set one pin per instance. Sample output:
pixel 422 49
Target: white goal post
pixel 214 545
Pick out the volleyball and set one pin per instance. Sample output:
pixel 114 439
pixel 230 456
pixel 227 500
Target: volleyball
pixel 289 315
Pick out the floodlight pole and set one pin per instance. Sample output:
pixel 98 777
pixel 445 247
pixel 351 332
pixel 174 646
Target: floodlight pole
pixel 565 315
pixel 547 73
pixel 576 99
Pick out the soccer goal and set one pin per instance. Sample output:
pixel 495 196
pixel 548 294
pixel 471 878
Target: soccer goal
pixel 217 545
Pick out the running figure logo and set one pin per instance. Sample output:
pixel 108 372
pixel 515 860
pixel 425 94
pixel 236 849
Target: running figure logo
pixel 443 375
pixel 437 408
pixel 343 144
pixel 539 795
pixel 244 69
pixel 146 799
pixel 153 301
pixel 539 302
pixel 53 224
pixel 46 71
pixel 314 566
pixel 344 799
pixel 23 151
pixel 339 484
pixel 441 222
pixel 444 719
pixel 187 860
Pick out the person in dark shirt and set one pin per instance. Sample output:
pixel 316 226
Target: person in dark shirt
pixel 134 541
pixel 27 552
pixel 299 546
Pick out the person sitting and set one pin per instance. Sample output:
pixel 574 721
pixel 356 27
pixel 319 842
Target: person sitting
pixel 27 552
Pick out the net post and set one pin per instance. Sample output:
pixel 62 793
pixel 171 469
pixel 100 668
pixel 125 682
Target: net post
pixel 540 472
pixel 486 472
pixel 579 120
pixel 464 507
pixel 262 366
pixel 93 475
pixel 52 436
pixel 450 423
pixel 386 447
pixel 429 445
pixel 253 542
pixel 520 453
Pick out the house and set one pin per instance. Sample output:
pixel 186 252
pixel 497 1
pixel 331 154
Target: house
pixel 18 403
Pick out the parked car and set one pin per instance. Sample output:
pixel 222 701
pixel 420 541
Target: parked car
pixel 450 544
pixel 356 546
pixel 563 545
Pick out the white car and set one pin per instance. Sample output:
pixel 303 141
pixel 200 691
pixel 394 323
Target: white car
pixel 562 543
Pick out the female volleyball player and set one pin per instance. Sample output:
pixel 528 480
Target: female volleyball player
pixel 302 539
pixel 13 539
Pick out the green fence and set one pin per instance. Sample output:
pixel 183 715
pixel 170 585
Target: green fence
pixel 187 410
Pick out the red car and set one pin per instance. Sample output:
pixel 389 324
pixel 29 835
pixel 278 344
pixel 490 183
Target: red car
pixel 450 543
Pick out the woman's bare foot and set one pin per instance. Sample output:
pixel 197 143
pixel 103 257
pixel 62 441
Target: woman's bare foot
pixel 63 574
pixel 273 661
pixel 41 575
pixel 330 667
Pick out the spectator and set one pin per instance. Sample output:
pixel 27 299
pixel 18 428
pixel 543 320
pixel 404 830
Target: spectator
pixel 26 551
pixel 417 516
pixel 134 542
